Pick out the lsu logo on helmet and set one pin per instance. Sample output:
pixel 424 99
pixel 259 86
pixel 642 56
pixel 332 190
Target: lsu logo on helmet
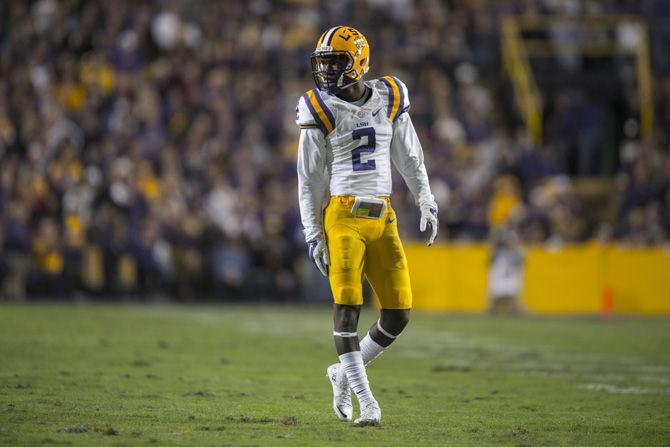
pixel 341 58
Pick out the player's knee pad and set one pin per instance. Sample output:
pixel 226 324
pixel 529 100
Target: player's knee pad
pixel 396 299
pixel 348 295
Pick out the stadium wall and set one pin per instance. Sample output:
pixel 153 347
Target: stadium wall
pixel 583 279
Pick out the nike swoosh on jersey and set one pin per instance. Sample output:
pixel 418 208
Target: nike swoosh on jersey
pixel 376 112
pixel 391 220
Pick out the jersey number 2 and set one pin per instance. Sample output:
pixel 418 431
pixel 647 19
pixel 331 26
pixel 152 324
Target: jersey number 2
pixel 368 147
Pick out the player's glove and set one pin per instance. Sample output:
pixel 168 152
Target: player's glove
pixel 429 219
pixel 318 252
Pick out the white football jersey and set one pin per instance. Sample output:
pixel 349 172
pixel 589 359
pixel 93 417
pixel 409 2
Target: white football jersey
pixel 347 150
pixel 358 138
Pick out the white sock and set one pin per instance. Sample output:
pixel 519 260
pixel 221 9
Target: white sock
pixel 352 364
pixel 370 349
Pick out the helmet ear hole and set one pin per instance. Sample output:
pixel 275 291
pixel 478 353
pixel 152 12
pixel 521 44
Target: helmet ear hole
pixel 361 62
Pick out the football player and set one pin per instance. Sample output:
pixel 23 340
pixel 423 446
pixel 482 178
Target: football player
pixel 350 132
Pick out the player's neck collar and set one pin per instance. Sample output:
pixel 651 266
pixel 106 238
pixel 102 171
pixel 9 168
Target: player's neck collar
pixel 363 99
pixel 346 94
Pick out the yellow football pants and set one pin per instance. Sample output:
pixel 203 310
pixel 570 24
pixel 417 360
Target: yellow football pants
pixel 372 247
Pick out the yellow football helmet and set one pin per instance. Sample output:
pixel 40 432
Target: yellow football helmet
pixel 342 57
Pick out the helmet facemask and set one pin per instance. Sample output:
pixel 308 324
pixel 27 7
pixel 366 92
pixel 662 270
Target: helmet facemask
pixel 330 70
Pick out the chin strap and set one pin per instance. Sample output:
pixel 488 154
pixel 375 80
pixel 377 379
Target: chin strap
pixel 341 80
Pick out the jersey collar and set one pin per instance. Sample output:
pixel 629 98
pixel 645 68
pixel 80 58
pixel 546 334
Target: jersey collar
pixel 373 101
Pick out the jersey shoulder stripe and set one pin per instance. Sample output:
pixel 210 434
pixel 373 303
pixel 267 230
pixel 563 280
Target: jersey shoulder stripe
pixel 322 115
pixel 397 101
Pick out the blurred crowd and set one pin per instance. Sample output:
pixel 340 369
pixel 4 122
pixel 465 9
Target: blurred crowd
pixel 148 148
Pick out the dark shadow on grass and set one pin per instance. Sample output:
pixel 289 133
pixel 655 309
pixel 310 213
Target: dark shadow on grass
pixel 450 368
pixel 75 429
pixel 198 394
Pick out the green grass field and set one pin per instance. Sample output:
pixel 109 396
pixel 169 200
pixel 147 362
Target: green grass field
pixel 236 376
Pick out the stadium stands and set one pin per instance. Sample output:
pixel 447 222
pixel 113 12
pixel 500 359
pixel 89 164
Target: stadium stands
pixel 148 148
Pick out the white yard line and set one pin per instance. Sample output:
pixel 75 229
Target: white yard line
pixel 625 389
